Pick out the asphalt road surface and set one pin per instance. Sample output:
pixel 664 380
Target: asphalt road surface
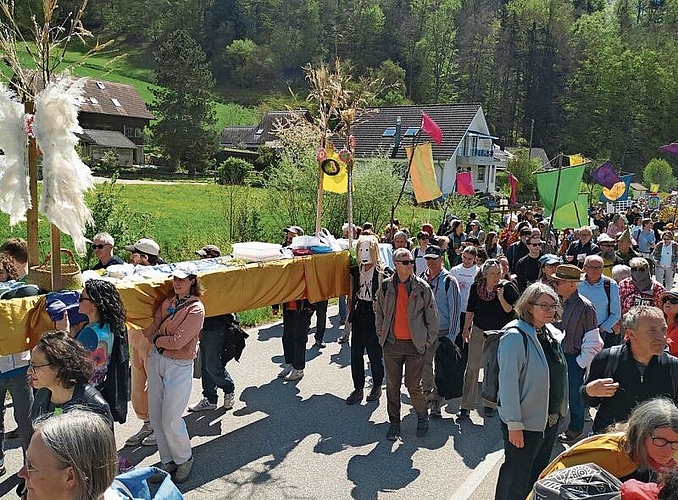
pixel 299 440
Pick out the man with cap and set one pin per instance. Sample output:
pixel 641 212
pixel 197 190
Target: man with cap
pixel 448 302
pixel 476 231
pixel 213 373
pixel 527 268
pixel 625 249
pixel 102 245
pixel 518 250
pixel 579 249
pixel 580 344
pixel 144 253
pixel 603 292
pixel 640 289
pixel 607 253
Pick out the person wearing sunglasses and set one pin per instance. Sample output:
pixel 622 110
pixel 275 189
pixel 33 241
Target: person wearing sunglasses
pixel 102 246
pixel 670 309
pixel 406 320
pixel 620 377
pixel 641 288
pixel 666 257
pixel 528 267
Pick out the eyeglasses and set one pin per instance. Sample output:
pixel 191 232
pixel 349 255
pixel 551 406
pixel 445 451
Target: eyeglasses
pixel 431 258
pixel 405 262
pixel 100 247
pixel 32 470
pixel 81 299
pixel 671 300
pixel 33 367
pixel 534 244
pixel 660 442
pixel 546 307
pixel 594 268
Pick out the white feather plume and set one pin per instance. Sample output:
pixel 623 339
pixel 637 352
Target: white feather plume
pixel 65 176
pixel 14 196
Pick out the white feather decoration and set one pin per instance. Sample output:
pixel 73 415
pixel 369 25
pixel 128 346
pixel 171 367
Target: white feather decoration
pixel 65 176
pixel 14 196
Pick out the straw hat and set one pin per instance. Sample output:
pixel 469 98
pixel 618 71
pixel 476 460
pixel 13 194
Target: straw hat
pixel 567 272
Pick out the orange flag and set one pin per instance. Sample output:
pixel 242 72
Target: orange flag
pixel 424 182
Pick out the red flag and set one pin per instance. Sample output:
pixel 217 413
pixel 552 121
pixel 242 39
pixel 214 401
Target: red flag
pixel 465 184
pixel 431 128
pixel 513 182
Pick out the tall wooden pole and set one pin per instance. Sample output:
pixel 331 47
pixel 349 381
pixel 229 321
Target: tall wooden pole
pixel 32 214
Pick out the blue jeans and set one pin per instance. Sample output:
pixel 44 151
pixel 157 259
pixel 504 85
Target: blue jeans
pixel 575 378
pixel 213 373
pixel 22 399
pixel 342 307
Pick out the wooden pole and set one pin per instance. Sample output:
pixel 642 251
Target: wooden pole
pixel 55 243
pixel 555 200
pixel 32 213
pixel 319 202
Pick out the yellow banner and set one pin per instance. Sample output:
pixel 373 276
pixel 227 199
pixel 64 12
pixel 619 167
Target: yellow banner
pixel 424 182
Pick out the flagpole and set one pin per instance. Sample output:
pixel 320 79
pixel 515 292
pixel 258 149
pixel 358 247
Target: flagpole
pixel 415 143
pixel 555 199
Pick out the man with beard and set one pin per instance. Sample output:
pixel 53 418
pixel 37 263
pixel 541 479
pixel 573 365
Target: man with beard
pixel 610 258
pixel 625 249
pixel 640 289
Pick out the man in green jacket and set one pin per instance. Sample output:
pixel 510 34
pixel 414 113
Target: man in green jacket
pixel 406 319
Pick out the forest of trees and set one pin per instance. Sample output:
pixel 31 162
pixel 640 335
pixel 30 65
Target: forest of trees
pixel 597 77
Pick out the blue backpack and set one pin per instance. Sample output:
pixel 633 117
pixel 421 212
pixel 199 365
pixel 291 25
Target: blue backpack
pixel 133 485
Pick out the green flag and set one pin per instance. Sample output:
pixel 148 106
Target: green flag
pixel 568 187
pixel 574 214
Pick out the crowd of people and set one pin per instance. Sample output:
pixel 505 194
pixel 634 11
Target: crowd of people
pixel 588 323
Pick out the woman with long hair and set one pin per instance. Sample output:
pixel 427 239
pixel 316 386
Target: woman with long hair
pixel 457 237
pixel 490 307
pixel 174 334
pixel 492 246
pixel 101 303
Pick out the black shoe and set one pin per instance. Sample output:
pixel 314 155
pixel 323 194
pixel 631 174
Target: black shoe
pixel 422 426
pixel 374 394
pixel 342 322
pixel 489 412
pixel 13 434
pixel 463 415
pixel 320 345
pixel 355 397
pixel 393 432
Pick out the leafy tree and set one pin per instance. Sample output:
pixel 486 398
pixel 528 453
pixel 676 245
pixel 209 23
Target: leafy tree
pixel 233 171
pixel 522 169
pixel 183 106
pixel 247 62
pixel 659 172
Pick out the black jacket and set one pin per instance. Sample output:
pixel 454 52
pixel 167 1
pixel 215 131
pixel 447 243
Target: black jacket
pixel 84 396
pixel 633 388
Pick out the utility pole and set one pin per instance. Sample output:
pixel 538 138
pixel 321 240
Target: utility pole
pixel 529 151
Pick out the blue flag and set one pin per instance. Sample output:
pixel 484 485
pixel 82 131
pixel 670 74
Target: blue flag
pixel 605 175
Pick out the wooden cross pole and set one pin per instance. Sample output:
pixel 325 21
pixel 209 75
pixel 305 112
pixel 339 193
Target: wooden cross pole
pixel 32 213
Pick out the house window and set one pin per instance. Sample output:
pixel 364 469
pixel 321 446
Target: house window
pixel 93 100
pixel 389 132
pixel 101 85
pixel 481 173
pixel 474 148
pixel 116 103
pixel 259 131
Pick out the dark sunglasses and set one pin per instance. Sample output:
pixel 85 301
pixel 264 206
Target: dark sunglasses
pixel 672 300
pixel 534 244
pixel 82 299
pixel 406 262
pixel 100 247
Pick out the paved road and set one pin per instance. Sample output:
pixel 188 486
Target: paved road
pixel 301 441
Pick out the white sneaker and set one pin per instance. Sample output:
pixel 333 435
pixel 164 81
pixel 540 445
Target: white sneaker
pixel 285 371
pixel 202 405
pixel 295 375
pixel 149 440
pixel 136 439
pixel 229 400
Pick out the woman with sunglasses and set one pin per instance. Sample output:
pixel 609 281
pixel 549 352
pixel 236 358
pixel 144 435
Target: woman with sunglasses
pixel 101 303
pixel 60 370
pixel 670 309
pixel 490 307
pixel 666 257
pixel 532 390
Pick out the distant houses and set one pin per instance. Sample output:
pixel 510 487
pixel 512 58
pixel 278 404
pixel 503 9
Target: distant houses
pixel 468 145
pixel 113 116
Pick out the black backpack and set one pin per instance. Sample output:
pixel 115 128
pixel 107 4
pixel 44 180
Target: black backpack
pixel 490 388
pixel 449 375
pixel 115 389
pixel 579 481
pixel 234 340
